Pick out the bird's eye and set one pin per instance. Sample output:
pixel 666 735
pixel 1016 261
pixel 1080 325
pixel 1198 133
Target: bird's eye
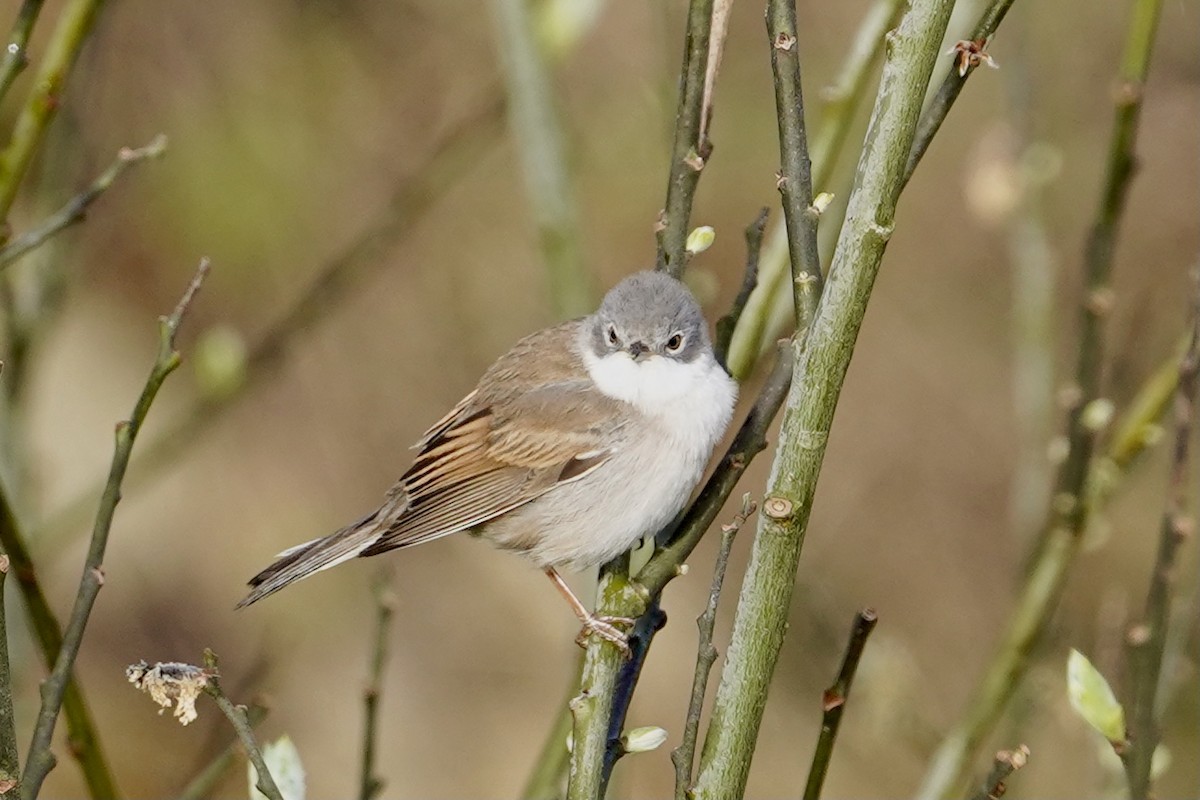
pixel 675 343
pixel 612 334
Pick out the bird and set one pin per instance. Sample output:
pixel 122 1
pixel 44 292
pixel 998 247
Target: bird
pixel 578 442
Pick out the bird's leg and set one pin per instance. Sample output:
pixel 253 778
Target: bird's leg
pixel 603 626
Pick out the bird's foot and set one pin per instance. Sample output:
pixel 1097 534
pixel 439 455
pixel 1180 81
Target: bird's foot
pixel 606 628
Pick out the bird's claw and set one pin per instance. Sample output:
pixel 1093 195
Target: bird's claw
pixel 606 628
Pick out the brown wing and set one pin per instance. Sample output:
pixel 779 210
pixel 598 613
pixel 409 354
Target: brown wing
pixel 486 458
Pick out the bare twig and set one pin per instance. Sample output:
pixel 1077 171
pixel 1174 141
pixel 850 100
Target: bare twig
pixel 728 323
pixel 40 759
pixel 956 78
pixel 15 59
pixel 833 701
pixel 76 208
pixel 716 49
pixel 207 779
pixel 454 155
pixel 1007 762
pixel 385 604
pixel 755 333
pixel 538 138
pixel 822 361
pixel 240 719
pixel 795 172
pixel 10 758
pixel 641 637
pixel 66 40
pixel 82 736
pixel 1147 640
pixel 1068 518
pixel 684 756
pixel 690 151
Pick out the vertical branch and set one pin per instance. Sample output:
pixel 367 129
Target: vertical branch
pixel 1068 516
pixel 74 23
pixel 833 701
pixel 727 324
pixel 690 150
pixel 40 759
pixel 1147 640
pixel 15 59
pixel 795 173
pixel 684 756
pixel 821 365
pixel 842 100
pixel 538 138
pixel 371 784
pixel 10 763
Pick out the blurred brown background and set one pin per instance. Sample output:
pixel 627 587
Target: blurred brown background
pixel 292 123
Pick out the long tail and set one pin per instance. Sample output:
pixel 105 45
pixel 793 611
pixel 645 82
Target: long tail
pixel 303 560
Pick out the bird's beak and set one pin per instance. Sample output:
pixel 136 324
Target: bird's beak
pixel 638 351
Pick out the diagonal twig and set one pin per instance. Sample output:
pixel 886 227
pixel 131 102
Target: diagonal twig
pixel 76 208
pixel 370 784
pixel 40 759
pixel 239 718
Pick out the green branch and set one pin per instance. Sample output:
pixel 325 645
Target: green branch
pixel 1148 639
pixel 76 208
pixel 40 759
pixel 684 756
pixel 956 78
pixel 691 148
pixel 1068 518
pixel 821 365
pixel 538 137
pixel 74 23
pixel 754 332
pixel 15 60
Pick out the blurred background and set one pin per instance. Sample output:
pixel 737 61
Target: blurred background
pixel 301 132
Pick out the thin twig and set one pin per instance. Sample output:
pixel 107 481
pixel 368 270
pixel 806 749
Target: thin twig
pixel 1147 640
pixel 15 59
pixel 538 138
pixel 10 758
pixel 938 108
pixel 76 208
pixel 833 701
pixel 207 779
pixel 795 173
pixel 684 756
pixel 1007 762
pixel 66 40
pixel 728 323
pixel 754 334
pixel 82 734
pixel 822 361
pixel 454 155
pixel 385 604
pixel 240 720
pixel 40 758
pixel 1067 520
pixel 690 151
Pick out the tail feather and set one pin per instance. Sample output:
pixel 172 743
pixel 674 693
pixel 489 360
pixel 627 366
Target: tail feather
pixel 303 560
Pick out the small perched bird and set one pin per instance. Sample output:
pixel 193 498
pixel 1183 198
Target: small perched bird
pixel 576 443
